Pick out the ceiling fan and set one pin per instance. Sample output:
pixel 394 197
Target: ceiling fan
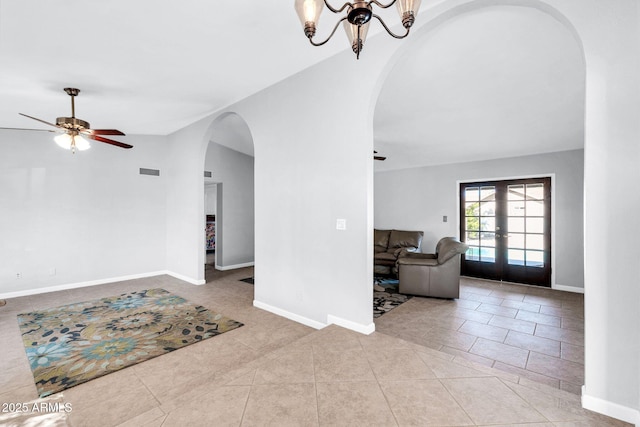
pixel 73 129
pixel 381 158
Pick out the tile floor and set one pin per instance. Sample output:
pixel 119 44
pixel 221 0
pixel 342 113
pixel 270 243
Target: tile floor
pixel 273 371
pixel 533 332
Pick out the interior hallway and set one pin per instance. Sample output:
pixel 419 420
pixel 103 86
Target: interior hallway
pixel 275 371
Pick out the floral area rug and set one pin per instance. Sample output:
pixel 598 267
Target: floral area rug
pixel 387 300
pixel 75 343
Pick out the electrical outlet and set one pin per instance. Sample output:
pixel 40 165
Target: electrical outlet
pixel 341 224
pixel 18 275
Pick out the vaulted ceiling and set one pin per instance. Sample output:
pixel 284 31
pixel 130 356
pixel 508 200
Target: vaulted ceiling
pixel 497 82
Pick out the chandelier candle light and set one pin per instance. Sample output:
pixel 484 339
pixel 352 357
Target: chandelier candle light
pixel 356 22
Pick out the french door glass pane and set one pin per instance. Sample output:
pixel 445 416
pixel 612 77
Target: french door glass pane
pixel 488 224
pixel 535 241
pixel 472 209
pixel 487 239
pixel 472 194
pixel 516 240
pixel 515 192
pixel 487 194
pixel 488 208
pixel 515 225
pixel 535 259
pixel 473 223
pixel 535 208
pixel 515 257
pixel 473 253
pixel 515 208
pixel 535 191
pixel 535 225
pixel 488 254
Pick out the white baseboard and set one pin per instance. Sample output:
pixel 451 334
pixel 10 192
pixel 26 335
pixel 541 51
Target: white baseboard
pixel 610 409
pixel 234 266
pixel 357 327
pixel 185 278
pixel 77 285
pixel 287 314
pixel 567 288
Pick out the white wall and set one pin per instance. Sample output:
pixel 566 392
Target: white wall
pixel 418 198
pixel 235 242
pixel 74 218
pixel 210 199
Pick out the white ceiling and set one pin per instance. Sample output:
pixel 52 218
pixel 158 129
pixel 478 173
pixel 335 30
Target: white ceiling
pixel 498 82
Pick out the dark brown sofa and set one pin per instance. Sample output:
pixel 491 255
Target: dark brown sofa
pixel 389 245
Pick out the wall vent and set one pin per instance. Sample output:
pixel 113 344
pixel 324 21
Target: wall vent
pixel 153 172
pixel 207 174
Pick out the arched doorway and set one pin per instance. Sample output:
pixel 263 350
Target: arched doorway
pixel 229 195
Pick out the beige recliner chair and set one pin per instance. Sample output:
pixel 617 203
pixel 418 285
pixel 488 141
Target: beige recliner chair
pixel 433 275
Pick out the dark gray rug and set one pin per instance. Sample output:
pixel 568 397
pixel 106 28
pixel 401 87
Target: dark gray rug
pixel 390 298
pixel 248 280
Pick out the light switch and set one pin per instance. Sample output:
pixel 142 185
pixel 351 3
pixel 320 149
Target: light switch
pixel 444 218
pixel 341 224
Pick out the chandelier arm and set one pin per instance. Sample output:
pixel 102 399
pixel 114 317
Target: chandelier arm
pixel 330 35
pixel 334 10
pixel 382 6
pixel 388 30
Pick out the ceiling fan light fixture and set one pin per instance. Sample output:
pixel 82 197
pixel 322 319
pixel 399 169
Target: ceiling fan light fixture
pixel 72 142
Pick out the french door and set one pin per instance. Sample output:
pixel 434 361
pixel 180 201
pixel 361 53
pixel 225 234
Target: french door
pixel 507 225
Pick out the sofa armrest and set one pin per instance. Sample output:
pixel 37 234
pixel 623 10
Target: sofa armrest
pixel 427 261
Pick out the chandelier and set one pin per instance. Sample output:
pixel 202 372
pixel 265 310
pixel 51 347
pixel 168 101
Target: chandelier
pixel 357 19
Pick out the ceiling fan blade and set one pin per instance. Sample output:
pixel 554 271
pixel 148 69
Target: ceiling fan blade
pixel 379 158
pixel 109 141
pixel 103 132
pixel 38 130
pixel 41 121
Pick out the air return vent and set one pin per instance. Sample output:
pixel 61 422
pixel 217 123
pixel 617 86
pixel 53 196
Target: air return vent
pixel 153 172
pixel 207 174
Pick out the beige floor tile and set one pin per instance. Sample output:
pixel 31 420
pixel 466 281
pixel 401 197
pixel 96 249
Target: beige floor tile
pixel 548 301
pixel 295 367
pixel 497 351
pixel 533 343
pixel 521 305
pixel 572 323
pixel 541 319
pixel 489 400
pixel 448 369
pixel 357 403
pixel 513 324
pixel 280 405
pixel 109 400
pixel 555 367
pixel 349 365
pixel 482 299
pixel 485 361
pixel 153 418
pixel 450 338
pixel 523 373
pixel 222 406
pixel 398 364
pixel 489 332
pixel 559 334
pixel 572 353
pixel 423 403
pixel 500 310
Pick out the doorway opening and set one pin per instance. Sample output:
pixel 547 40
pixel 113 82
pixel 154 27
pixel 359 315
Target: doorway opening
pixel 507 225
